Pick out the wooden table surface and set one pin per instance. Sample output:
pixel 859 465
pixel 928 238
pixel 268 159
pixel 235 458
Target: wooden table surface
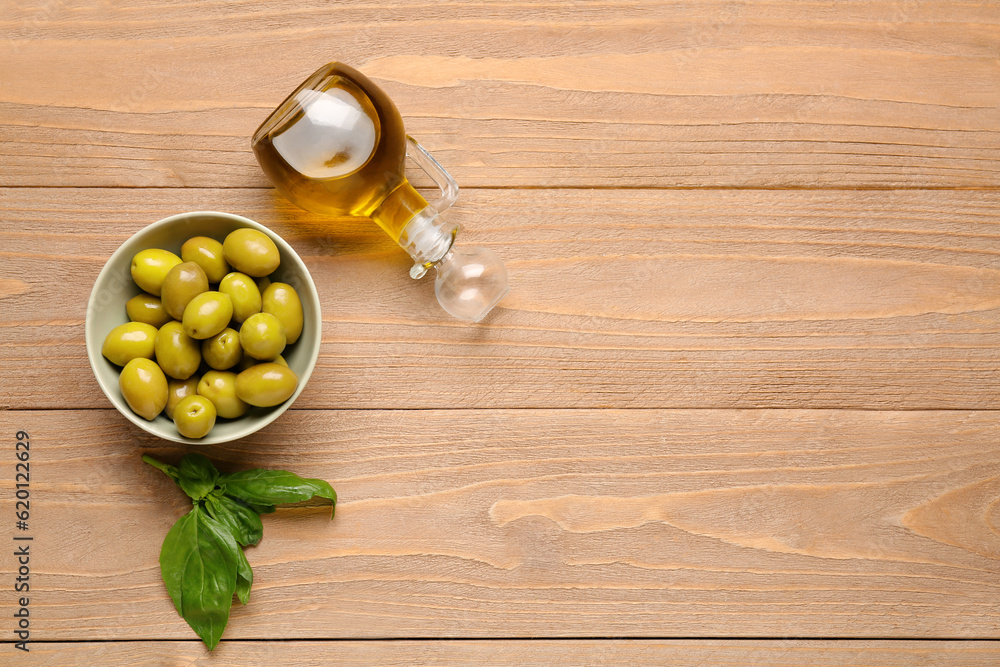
pixel 740 407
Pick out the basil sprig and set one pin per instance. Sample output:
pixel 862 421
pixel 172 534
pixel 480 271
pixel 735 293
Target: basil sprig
pixel 202 560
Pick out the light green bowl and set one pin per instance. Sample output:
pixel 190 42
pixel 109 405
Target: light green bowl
pixel 114 286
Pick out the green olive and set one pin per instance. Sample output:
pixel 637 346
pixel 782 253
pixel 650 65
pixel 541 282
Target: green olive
pixel 129 341
pixel 184 282
pixel 262 336
pixel 244 294
pixel 282 301
pixel 194 417
pixel 207 314
pixel 147 308
pixel 266 385
pixel 263 283
pixel 144 387
pixel 177 390
pixel 220 388
pixel 222 351
pixel 206 253
pixel 178 354
pixel 251 252
pixel 150 267
pixel 249 361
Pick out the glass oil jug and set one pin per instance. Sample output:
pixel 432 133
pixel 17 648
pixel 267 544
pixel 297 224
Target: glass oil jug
pixel 337 146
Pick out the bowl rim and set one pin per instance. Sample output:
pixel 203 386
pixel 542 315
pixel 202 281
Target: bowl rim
pixel 95 356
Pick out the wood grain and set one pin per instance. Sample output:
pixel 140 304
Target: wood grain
pixel 720 653
pixel 620 299
pixel 645 94
pixel 501 523
pixel 709 210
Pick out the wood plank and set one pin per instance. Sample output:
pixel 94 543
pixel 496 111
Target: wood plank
pixel 721 653
pixel 498 523
pixel 602 93
pixel 621 299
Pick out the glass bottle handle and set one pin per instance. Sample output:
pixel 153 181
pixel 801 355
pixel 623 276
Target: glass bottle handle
pixel 446 184
pixel 470 281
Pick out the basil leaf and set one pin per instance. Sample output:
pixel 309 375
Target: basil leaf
pixel 270 487
pixel 259 509
pixel 201 561
pixel 244 577
pixel 243 522
pixel 199 564
pixel 197 475
pixel 167 469
pixel 172 555
pixel 245 526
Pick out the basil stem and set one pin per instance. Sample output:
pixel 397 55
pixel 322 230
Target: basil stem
pixel 167 469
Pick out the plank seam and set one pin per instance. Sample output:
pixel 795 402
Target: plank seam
pixel 6 410
pixel 534 638
pixel 665 188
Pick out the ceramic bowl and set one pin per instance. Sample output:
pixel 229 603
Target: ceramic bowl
pixel 114 287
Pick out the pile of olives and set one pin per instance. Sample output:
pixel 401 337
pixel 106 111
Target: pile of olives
pixel 205 339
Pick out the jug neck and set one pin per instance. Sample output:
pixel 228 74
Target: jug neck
pixel 397 209
pixel 416 226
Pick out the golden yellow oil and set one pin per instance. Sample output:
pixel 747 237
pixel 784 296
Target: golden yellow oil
pixel 336 146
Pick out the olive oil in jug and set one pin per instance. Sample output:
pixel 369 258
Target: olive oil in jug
pixel 337 146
